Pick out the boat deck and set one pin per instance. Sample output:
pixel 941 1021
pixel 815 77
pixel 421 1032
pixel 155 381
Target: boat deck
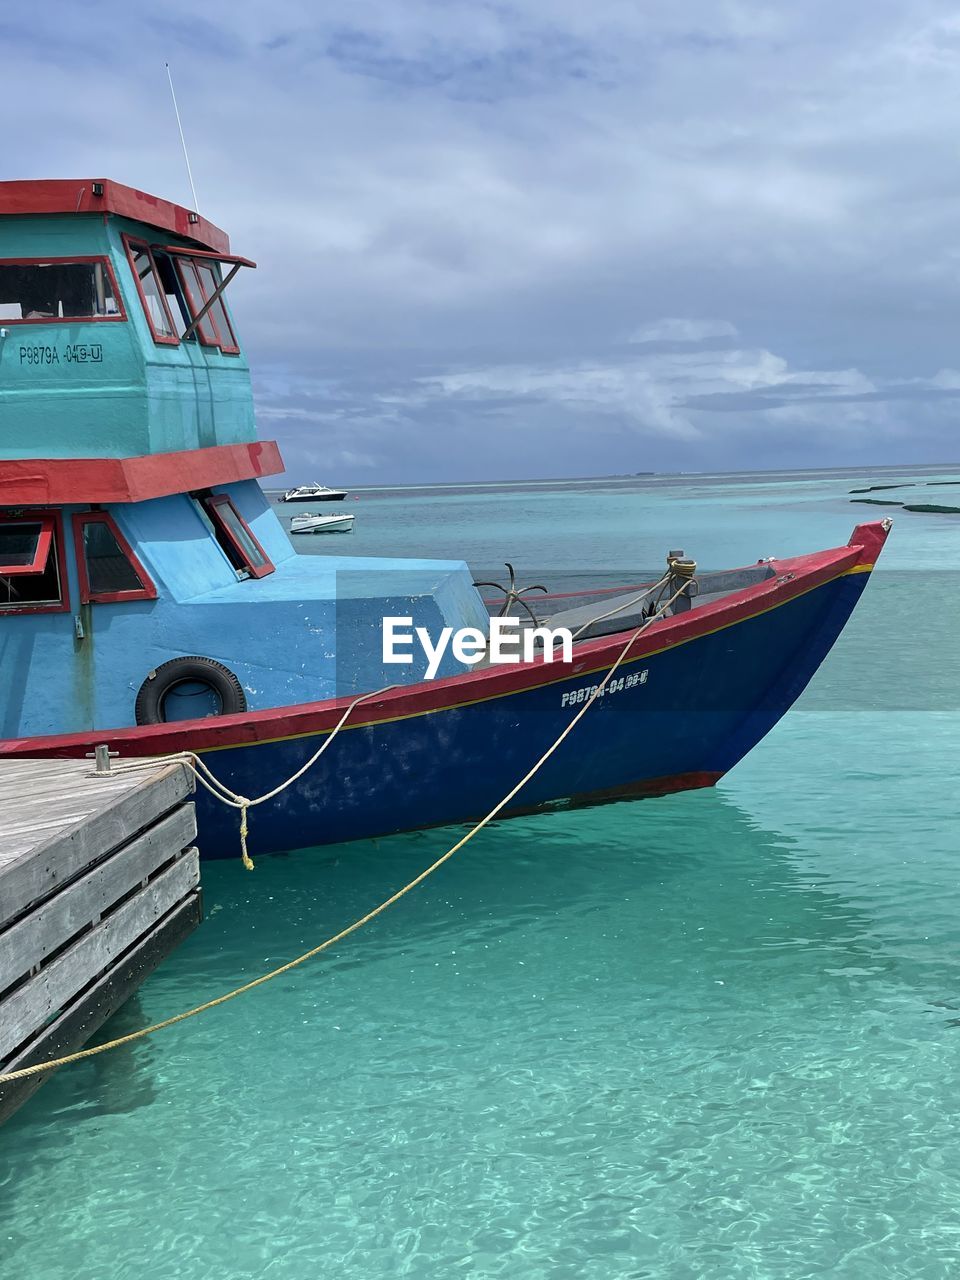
pixel 607 614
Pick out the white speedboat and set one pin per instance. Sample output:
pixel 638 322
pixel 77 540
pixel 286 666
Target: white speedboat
pixel 314 493
pixel 338 522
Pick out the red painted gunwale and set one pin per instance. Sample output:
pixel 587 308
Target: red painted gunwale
pixel 28 482
pixel 794 577
pixel 75 196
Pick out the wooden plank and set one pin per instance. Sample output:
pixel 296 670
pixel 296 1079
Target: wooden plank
pixel 55 922
pixel 49 828
pixel 129 807
pixel 29 794
pixel 30 769
pixel 89 1012
pixel 27 1008
pixel 77 792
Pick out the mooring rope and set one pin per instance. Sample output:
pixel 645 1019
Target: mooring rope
pixel 235 800
pixel 219 789
pixel 597 692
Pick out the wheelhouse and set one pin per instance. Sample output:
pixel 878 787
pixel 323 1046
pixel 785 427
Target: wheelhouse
pixel 116 303
pixel 133 531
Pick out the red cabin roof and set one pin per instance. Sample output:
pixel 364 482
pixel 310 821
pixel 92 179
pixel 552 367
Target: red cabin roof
pixel 100 195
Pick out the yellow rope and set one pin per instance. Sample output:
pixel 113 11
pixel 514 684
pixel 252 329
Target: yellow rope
pixel 51 1065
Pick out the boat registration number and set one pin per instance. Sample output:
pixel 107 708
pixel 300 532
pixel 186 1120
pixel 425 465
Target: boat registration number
pixel 573 697
pixel 72 353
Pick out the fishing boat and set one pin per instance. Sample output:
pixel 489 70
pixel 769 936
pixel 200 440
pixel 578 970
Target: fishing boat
pixel 152 602
pixel 336 522
pixel 314 493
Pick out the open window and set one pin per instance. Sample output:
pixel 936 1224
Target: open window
pixel 235 536
pixel 204 286
pixel 201 318
pixel 32 577
pixel 182 290
pixel 153 293
pixel 58 290
pixel 109 571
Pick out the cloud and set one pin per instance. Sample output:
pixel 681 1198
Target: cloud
pixel 645 406
pixel 460 210
pixel 678 330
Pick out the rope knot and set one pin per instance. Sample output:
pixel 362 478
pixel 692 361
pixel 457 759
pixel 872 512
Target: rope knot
pixel 244 804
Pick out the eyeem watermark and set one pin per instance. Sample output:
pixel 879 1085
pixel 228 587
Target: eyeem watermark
pixel 507 642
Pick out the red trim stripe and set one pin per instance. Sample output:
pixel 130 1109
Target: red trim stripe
pixel 30 482
pixel 76 195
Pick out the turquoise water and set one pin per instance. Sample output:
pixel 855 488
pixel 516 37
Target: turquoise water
pixel 710 1035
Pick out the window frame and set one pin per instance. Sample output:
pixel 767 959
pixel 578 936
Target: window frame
pixel 233 347
pixel 53 519
pixel 39 260
pixel 184 261
pixel 144 245
pixel 185 270
pixel 211 503
pixel 39 561
pixel 147 592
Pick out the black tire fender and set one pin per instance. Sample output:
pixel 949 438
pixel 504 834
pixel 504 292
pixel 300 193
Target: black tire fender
pixel 149 707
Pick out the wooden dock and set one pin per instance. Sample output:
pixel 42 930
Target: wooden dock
pixel 99 880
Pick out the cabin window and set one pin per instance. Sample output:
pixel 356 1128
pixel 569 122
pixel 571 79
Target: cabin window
pixel 201 275
pixel 197 297
pixel 196 300
pixel 235 536
pixel 44 291
pixel 209 276
pixel 159 291
pixel 31 565
pixel 178 288
pixel 109 571
pixel 151 294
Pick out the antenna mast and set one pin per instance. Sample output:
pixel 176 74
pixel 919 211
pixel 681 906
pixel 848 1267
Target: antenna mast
pixel 183 141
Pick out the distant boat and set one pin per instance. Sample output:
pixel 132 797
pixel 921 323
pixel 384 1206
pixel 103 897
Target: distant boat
pixel 341 522
pixel 314 493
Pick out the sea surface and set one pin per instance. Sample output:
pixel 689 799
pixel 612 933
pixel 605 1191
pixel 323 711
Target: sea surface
pixel 711 1035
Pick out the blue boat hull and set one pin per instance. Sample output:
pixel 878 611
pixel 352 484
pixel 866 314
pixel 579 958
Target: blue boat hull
pixel 673 720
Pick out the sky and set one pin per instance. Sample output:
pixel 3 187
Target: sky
pixel 548 238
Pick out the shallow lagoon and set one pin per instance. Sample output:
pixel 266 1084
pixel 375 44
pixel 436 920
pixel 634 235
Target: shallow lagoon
pixel 713 1034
